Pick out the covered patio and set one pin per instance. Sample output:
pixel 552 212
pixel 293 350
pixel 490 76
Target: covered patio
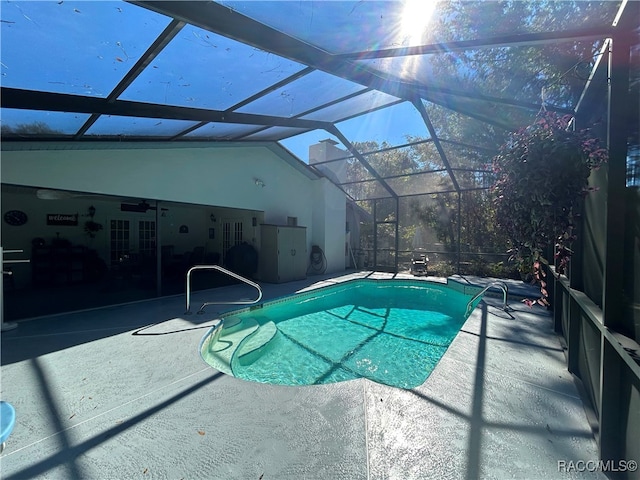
pixel 110 393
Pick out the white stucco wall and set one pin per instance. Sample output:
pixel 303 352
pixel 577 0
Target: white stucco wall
pixel 221 176
pixel 329 217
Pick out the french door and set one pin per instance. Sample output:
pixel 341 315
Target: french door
pixel 131 237
pixel 231 234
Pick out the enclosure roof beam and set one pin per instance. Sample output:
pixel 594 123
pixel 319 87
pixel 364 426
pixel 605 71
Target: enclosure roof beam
pixel 335 131
pixel 152 52
pixel 476 116
pixel 597 76
pixel 315 109
pixel 424 172
pixel 422 194
pixel 479 148
pixel 513 40
pixel 624 25
pixel 275 86
pixel 381 150
pixel 426 91
pixel 224 21
pixel 58 102
pixel 417 103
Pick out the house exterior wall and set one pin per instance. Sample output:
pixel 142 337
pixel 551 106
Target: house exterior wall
pixel 221 176
pixel 329 217
pixel 323 151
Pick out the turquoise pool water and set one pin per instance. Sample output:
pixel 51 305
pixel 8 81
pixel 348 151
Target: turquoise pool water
pixel 392 332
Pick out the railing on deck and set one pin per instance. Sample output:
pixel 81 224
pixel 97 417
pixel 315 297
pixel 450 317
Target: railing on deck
pixel 227 272
pixel 501 285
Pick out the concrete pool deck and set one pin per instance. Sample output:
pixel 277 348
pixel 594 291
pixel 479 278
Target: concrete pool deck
pixel 122 393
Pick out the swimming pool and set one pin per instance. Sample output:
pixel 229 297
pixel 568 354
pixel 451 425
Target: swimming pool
pixel 393 332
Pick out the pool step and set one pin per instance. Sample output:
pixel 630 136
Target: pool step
pixel 219 355
pixel 231 325
pixel 254 345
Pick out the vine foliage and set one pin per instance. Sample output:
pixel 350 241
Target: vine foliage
pixel 542 176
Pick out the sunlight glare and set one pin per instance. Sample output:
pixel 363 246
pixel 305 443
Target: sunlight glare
pixel 415 18
pixel 416 15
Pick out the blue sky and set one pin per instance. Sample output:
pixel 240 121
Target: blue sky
pixel 85 48
pixel 391 124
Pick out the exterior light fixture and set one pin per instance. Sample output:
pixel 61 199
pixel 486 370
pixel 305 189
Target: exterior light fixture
pixel 92 211
pixel 213 218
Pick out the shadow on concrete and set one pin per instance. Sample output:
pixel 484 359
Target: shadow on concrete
pixel 68 454
pixel 73 470
pixel 478 425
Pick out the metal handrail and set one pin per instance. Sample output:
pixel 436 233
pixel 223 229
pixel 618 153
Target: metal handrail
pixel 501 285
pixel 228 272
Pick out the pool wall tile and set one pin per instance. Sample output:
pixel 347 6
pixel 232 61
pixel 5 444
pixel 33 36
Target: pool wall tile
pixel 314 291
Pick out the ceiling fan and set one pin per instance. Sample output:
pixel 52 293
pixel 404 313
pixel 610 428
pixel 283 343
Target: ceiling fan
pixel 141 207
pixel 50 194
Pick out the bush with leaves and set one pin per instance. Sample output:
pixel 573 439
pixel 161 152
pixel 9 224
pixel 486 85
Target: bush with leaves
pixel 541 178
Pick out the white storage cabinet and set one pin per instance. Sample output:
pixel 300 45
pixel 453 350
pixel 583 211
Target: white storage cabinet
pixel 283 253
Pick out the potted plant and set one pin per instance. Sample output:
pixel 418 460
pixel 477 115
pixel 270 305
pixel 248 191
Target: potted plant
pixel 542 176
pixel 90 226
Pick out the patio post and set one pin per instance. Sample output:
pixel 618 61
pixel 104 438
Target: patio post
pixel 611 441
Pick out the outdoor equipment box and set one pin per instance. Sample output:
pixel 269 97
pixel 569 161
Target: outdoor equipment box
pixel 283 253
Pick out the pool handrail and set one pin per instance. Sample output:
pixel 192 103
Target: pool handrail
pixel 505 290
pixel 225 271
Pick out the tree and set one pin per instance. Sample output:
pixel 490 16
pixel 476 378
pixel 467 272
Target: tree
pixel 553 74
pixel 541 177
pixel 459 87
pixel 28 128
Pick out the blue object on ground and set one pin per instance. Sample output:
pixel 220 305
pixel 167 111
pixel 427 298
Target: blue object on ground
pixel 7 421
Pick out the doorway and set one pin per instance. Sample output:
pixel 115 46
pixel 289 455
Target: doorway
pixel 132 252
pixel 131 237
